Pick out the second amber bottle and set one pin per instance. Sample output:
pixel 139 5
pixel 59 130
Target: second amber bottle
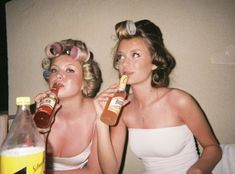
pixel 115 103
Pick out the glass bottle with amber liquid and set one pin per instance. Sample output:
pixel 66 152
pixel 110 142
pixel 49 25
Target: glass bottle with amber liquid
pixel 43 116
pixel 114 104
pixel 23 150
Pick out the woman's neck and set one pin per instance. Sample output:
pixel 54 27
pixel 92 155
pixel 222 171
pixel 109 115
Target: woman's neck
pixel 70 106
pixel 143 95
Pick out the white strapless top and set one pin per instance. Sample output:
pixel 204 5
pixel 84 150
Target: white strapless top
pixel 169 150
pixel 69 163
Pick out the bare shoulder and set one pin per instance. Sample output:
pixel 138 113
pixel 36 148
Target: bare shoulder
pixel 180 97
pixel 178 92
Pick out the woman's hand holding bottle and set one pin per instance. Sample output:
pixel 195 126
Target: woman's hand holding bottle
pixel 110 102
pixel 101 100
pixel 47 104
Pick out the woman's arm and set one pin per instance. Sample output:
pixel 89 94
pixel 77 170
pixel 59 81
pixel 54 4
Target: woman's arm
pixel 111 144
pixel 111 141
pixel 194 118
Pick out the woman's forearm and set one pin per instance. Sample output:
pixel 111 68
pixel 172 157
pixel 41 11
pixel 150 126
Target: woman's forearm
pixel 210 156
pixel 107 158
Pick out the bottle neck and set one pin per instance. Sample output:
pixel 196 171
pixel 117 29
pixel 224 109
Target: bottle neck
pixel 122 83
pixel 23 108
pixel 121 88
pixel 55 89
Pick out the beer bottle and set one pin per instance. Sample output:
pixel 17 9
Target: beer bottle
pixel 114 104
pixel 43 116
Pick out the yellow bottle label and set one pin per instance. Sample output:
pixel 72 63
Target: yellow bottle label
pixel 116 104
pixel 28 160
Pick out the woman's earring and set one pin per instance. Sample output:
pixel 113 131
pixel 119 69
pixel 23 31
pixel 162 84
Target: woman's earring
pixel 154 67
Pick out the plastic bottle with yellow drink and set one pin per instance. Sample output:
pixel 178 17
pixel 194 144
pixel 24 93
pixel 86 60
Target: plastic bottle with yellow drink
pixel 23 150
pixel 114 104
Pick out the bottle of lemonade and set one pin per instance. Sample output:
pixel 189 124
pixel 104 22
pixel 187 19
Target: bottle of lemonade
pixel 23 150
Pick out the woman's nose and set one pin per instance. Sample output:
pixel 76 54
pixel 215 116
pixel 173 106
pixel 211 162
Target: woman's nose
pixel 126 62
pixel 59 75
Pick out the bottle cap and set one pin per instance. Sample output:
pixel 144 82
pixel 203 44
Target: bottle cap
pixel 23 101
pixel 123 82
pixel 55 88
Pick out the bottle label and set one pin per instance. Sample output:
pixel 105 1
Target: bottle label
pixel 28 160
pixel 50 102
pixel 116 104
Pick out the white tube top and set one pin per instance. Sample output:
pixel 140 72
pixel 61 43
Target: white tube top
pixel 169 150
pixel 69 163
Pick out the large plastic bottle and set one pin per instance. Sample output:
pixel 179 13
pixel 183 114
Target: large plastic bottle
pixel 23 150
pixel 114 104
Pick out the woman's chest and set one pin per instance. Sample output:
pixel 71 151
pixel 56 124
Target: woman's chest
pixel 162 142
pixel 69 141
pixel 153 116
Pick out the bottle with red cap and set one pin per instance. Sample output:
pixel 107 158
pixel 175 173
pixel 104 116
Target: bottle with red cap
pixel 43 116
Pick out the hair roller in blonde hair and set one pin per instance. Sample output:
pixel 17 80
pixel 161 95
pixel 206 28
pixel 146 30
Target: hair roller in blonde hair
pixel 46 63
pixel 130 27
pixel 75 53
pixel 54 49
pixel 88 56
pixel 87 72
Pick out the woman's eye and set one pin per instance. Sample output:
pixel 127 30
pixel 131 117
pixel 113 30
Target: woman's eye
pixel 70 70
pixel 135 55
pixel 53 70
pixel 119 57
